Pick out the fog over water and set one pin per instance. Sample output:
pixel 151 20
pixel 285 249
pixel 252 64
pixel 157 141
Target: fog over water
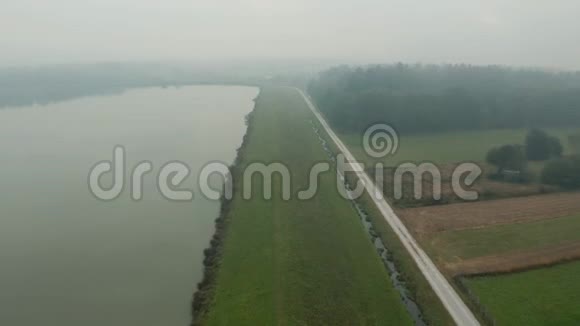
pixel 515 32
pixel 70 259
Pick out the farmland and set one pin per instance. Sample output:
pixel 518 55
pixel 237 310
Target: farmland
pixel 546 296
pixel 443 148
pixel 296 262
pixel 499 231
pixel 528 239
pixel 520 246
pixel 447 151
pixel 428 220
pixel 524 217
pixel 501 239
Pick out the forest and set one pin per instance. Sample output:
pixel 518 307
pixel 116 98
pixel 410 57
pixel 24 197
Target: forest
pixel 438 98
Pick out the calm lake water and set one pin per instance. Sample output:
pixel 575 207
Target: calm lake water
pixel 67 258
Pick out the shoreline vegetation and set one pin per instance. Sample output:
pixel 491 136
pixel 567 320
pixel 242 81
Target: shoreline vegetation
pixel 204 291
pixel 289 262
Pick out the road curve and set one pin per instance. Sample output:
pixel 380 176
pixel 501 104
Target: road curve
pixel 446 293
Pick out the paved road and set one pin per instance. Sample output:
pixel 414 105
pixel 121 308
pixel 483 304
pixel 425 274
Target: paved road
pixel 449 297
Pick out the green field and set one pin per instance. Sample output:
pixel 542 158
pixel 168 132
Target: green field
pixel 297 262
pixel 500 239
pixel 544 296
pixel 444 148
pixel 547 296
pixel 448 147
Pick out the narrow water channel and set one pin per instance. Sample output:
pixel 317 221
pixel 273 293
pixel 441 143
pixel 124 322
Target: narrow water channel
pixel 382 250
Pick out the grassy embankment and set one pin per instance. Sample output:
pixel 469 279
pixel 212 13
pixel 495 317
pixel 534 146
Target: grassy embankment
pixel 295 262
pixel 433 310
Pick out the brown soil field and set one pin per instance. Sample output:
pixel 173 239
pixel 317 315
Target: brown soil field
pixel 423 221
pixel 514 261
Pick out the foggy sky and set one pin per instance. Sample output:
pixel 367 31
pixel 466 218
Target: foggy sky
pixel 513 32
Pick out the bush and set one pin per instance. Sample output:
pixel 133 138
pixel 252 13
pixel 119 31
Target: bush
pixel 564 172
pixel 507 157
pixel 540 146
pixel 574 141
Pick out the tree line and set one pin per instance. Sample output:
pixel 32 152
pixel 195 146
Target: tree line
pixel 437 98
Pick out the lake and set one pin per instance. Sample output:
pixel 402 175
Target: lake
pixel 68 258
